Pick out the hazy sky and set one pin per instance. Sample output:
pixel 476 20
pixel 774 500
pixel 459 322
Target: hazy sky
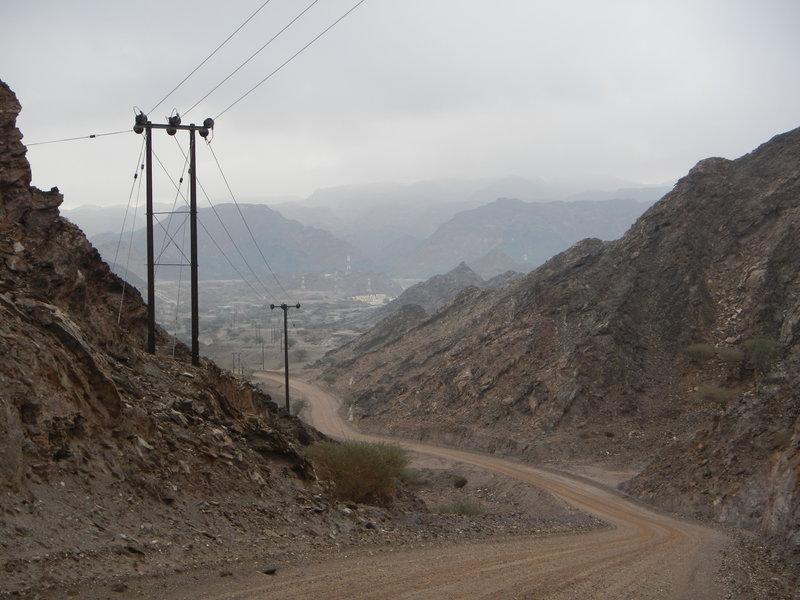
pixel 401 90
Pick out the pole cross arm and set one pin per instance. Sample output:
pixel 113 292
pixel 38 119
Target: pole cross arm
pixel 142 125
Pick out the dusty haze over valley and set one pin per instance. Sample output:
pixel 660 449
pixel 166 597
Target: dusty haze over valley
pixel 471 306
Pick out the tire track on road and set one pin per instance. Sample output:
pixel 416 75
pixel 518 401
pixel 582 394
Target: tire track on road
pixel 645 554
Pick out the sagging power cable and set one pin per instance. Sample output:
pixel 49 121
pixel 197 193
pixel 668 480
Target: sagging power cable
pixel 252 56
pixel 230 238
pixel 136 179
pixel 207 58
pixel 80 137
pixel 290 59
pixel 246 224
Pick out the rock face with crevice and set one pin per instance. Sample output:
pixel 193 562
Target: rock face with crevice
pixel 107 453
pixel 676 345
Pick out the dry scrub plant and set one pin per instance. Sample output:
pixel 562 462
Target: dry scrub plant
pixel 359 471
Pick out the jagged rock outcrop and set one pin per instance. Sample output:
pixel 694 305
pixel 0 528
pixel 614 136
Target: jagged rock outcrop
pixel 101 444
pixel 587 355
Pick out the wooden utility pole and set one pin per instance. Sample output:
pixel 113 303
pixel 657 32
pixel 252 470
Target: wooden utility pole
pixel 143 125
pixel 285 307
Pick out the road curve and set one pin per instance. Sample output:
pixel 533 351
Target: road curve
pixel 643 555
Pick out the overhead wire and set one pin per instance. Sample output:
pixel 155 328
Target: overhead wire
pixel 235 245
pixel 230 237
pixel 252 56
pixel 180 284
pixel 290 59
pixel 167 233
pixel 80 137
pixel 136 177
pixel 212 238
pixel 178 194
pixel 237 101
pixel 246 224
pixel 139 167
pixel 207 58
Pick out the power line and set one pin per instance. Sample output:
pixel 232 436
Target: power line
pixel 80 137
pixel 185 79
pixel 130 197
pixel 133 226
pixel 235 245
pixel 246 224
pixel 230 237
pixel 166 231
pixel 178 194
pixel 290 59
pixel 252 56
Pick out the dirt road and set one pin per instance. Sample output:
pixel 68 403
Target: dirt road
pixel 643 555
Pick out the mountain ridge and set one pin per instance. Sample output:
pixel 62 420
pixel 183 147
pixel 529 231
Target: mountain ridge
pixel 586 356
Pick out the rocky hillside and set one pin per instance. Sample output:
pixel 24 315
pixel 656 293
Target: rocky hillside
pixel 113 460
pixel 676 345
pixel 429 296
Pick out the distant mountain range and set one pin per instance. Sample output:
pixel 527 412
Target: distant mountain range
pixel 388 220
pixel 226 248
pixel 413 231
pixel 527 233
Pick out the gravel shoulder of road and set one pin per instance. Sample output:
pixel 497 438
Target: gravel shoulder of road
pixel 499 506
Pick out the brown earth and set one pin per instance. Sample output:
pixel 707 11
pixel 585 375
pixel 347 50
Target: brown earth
pixel 642 351
pixel 643 555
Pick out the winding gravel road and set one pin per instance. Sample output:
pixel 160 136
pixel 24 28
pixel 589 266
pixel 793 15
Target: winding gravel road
pixel 644 555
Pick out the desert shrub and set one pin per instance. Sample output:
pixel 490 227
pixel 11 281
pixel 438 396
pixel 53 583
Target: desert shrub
pixel 700 352
pixel 459 482
pixel 715 394
pixel 359 471
pixel 584 435
pixel 329 378
pixel 460 507
pixel 761 352
pixel 610 434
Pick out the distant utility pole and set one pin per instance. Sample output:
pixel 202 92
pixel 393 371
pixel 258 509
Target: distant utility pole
pixel 285 307
pixel 143 125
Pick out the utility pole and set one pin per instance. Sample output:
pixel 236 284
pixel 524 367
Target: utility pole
pixel 285 307
pixel 142 124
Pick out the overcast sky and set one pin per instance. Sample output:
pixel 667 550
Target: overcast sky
pixel 401 90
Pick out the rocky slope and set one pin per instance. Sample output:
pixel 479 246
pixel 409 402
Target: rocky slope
pixel 428 296
pixel 676 344
pixel 113 460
